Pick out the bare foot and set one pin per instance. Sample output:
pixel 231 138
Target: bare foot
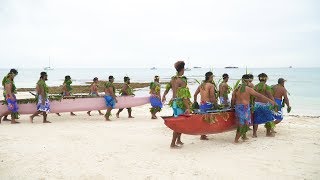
pixel 15 122
pixel 117 115
pixel 87 113
pixel 204 137
pixel 107 118
pixel 72 114
pixel 180 143
pixel 245 138
pixel 236 142
pixel 254 136
pixel 130 117
pixel 153 117
pixel 175 147
pixel 273 131
pixel 101 114
pixel 6 119
pixel 270 134
pixel 31 119
pixel 46 122
pixel 58 114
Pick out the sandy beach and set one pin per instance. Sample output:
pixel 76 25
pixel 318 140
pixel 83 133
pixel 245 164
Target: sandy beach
pixel 84 147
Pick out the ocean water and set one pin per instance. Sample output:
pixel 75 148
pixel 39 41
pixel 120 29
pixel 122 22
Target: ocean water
pixel 303 84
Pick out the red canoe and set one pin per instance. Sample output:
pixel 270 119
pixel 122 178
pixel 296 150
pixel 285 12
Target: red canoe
pixel 199 124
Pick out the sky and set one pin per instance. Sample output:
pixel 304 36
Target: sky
pixel 156 33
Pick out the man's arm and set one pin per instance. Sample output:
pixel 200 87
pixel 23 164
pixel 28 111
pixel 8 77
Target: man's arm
pixel 8 88
pixel 269 95
pixel 196 94
pixel 168 87
pixel 256 94
pixel 113 94
pixel 212 95
pixel 233 99
pixel 286 99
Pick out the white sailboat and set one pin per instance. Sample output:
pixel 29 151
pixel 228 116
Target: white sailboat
pixel 48 67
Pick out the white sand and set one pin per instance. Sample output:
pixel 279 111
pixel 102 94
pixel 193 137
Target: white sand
pixel 85 147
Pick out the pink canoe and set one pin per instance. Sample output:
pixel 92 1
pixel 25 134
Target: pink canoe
pixel 199 124
pixel 82 104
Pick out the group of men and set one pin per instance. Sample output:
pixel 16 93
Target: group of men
pixel 43 102
pixel 263 101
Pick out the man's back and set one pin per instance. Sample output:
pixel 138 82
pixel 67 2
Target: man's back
pixel 205 92
pixel 279 91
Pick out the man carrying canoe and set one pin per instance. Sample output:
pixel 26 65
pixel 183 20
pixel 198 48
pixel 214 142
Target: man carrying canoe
pixel 224 91
pixel 180 101
pixel 126 91
pixel 279 92
pixel 94 92
pixel 155 98
pixel 66 90
pixel 110 97
pixel 241 102
pixel 43 104
pixel 10 99
pixel 208 98
pixel 263 111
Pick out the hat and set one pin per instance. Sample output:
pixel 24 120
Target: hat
pixel 281 80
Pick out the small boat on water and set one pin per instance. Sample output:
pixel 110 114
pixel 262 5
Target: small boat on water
pixel 48 68
pixel 231 67
pixel 199 124
pixel 187 69
pixel 153 68
pixel 196 67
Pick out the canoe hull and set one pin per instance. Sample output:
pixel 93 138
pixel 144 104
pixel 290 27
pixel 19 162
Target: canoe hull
pixel 195 124
pixel 82 104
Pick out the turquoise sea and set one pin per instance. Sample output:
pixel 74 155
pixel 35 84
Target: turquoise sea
pixel 303 84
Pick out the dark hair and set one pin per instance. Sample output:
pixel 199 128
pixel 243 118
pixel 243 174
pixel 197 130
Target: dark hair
pixel 42 74
pixel 126 78
pixel 246 77
pixel 262 77
pixel 67 78
pixel 156 77
pixel 179 65
pixel 250 76
pixel 225 75
pixel 111 77
pixel 95 79
pixel 208 75
pixel 13 71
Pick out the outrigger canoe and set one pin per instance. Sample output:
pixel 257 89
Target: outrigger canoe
pixel 200 124
pixel 82 104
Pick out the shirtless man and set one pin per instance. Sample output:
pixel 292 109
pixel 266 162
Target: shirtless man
pixel 43 104
pixel 155 97
pixel 280 92
pixel 224 90
pixel 110 97
pixel 180 98
pixel 94 92
pixel 262 112
pixel 208 98
pixel 126 91
pixel 207 93
pixel 9 96
pixel 241 102
pixel 66 90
